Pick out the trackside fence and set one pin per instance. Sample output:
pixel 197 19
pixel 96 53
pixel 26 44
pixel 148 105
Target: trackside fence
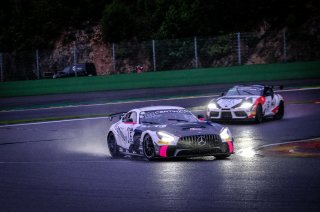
pixel 159 55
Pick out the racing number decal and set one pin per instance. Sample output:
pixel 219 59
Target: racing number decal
pixel 267 105
pixel 130 135
pixel 119 132
pixel 273 103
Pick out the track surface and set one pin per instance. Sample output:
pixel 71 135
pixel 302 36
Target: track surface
pixel 63 166
pixel 101 102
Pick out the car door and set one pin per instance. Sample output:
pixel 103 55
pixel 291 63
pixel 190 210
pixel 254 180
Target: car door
pixel 80 69
pixel 269 101
pixel 275 104
pixel 126 127
pixel 66 72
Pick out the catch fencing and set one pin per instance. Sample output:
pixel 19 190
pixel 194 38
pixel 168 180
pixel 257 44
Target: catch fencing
pixel 155 55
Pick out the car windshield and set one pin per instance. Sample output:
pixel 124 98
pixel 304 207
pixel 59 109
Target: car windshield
pixel 244 91
pixel 66 69
pixel 166 116
pixel 80 67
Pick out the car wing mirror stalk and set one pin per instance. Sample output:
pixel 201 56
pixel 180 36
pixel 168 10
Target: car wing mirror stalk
pixel 128 120
pixel 201 117
pixel 119 115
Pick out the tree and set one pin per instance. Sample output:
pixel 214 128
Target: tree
pixel 117 22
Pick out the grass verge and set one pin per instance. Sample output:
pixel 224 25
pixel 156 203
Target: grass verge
pixel 192 77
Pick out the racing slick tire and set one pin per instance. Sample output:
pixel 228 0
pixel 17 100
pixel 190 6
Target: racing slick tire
pixel 112 146
pixel 280 113
pixel 259 114
pixel 148 148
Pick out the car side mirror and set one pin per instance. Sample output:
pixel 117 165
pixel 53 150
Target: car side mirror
pixel 201 117
pixel 129 120
pixel 222 94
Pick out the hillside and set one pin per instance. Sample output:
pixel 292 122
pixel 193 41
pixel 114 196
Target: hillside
pixel 117 35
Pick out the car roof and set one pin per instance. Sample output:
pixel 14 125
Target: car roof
pixel 252 86
pixel 160 107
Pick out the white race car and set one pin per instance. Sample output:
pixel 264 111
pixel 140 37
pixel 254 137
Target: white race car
pixel 167 131
pixel 247 102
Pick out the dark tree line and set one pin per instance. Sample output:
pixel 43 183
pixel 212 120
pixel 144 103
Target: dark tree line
pixel 31 24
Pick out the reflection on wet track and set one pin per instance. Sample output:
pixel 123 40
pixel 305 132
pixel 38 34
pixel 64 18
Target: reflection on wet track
pixel 68 169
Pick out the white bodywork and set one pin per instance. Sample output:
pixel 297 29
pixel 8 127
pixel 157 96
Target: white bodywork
pixel 187 135
pixel 239 107
pixel 124 131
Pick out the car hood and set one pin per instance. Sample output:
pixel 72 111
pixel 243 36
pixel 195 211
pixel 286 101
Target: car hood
pixel 227 102
pixel 187 129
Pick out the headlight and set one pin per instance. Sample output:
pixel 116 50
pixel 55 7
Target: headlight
pixel 165 138
pixel 246 105
pixel 225 135
pixel 212 106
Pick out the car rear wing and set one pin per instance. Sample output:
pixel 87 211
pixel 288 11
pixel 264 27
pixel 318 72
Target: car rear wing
pixel 116 115
pixel 280 87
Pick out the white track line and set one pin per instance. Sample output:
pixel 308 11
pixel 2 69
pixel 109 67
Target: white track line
pixel 51 122
pixel 298 89
pixel 140 101
pixel 111 103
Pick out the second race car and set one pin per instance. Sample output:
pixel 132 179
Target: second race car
pixel 167 131
pixel 247 102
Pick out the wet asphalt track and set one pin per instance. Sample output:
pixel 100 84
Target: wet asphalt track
pixel 63 166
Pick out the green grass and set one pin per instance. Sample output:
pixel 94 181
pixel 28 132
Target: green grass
pixel 247 73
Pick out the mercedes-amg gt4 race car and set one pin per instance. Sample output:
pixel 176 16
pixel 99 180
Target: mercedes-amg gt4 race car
pixel 167 131
pixel 247 102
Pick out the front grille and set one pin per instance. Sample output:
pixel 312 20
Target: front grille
pixel 240 113
pixel 197 152
pixel 226 115
pixel 214 114
pixel 199 141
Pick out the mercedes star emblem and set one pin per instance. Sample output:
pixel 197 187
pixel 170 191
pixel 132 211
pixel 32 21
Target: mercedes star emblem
pixel 201 141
